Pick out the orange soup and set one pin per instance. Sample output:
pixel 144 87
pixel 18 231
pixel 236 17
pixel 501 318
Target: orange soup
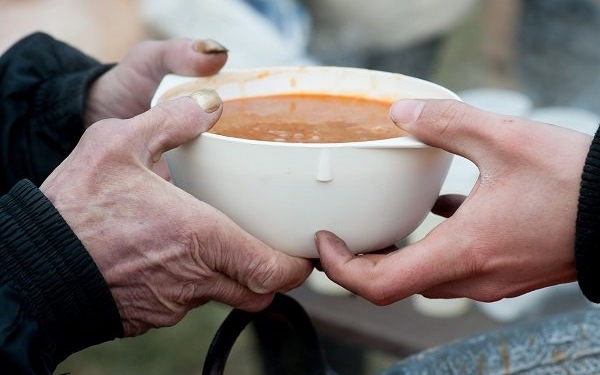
pixel 307 118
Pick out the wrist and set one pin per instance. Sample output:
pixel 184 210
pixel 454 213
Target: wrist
pixel 587 235
pixel 96 108
pixel 51 269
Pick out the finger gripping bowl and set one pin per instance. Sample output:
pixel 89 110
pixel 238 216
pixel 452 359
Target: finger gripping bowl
pixel 371 194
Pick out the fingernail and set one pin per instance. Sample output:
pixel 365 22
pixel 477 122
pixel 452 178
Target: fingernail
pixel 330 240
pixel 207 99
pixel 405 112
pixel 208 46
pixel 317 237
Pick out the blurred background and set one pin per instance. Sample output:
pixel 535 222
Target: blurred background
pixel 532 58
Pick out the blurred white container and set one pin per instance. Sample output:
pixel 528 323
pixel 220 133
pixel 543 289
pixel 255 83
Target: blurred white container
pixel 502 101
pixel 552 299
pixel 578 119
pixel 440 308
pixel 257 33
pixel 510 309
pixel 320 283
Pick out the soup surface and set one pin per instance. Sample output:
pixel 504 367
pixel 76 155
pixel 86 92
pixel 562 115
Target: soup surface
pixel 307 118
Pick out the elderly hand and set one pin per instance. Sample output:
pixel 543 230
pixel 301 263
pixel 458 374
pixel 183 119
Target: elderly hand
pixel 515 231
pixel 161 251
pixel 126 90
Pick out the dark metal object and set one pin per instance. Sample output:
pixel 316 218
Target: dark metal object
pixel 288 339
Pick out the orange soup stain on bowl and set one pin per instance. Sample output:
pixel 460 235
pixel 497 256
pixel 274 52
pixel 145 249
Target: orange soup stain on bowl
pixel 307 118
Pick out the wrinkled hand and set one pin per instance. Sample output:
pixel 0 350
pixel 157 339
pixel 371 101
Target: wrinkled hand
pixel 514 233
pixel 161 251
pixel 126 90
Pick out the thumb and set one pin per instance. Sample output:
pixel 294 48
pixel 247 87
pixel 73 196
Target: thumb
pixel 175 122
pixel 449 124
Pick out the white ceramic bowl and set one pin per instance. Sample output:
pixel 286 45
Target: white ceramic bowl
pixel 371 194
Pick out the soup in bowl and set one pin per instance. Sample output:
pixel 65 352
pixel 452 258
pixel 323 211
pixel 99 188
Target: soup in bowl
pixel 302 149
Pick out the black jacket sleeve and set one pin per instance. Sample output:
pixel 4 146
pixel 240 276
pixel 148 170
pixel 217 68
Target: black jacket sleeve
pixel 53 299
pixel 587 234
pixel 43 86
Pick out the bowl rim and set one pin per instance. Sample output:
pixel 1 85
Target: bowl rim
pixel 171 81
pixel 398 142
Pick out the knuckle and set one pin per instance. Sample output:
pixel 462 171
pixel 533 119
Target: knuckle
pixel 380 296
pixel 102 128
pixel 187 294
pixel 479 265
pixel 142 47
pixel 489 293
pixel 182 111
pixel 379 292
pixel 475 263
pixel 254 303
pixel 169 112
pixel 266 274
pixel 110 133
pixel 445 116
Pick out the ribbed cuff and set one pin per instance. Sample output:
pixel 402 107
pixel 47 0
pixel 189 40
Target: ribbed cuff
pixel 587 235
pixel 67 292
